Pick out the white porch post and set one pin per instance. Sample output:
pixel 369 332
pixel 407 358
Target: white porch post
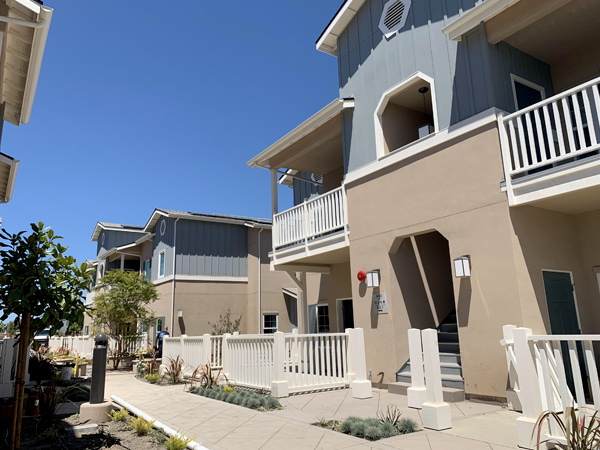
pixel 274 193
pixel 122 262
pixel 302 303
pixel 513 392
pixel 416 393
pixel 435 412
pixel 206 349
pixel 279 385
pixel 350 356
pixel 531 400
pixel 225 354
pixel 361 386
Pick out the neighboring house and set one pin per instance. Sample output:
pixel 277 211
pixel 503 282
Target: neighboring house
pixel 461 165
pixel 215 259
pixel 24 26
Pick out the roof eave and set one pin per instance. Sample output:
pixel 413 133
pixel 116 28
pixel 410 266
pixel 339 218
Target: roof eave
pixel 306 127
pixel 327 42
pixel 472 18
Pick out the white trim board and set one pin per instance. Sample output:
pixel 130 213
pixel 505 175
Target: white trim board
pixel 201 278
pixel 527 83
pixel 433 140
pixel 480 13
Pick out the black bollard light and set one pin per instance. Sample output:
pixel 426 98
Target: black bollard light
pixel 99 369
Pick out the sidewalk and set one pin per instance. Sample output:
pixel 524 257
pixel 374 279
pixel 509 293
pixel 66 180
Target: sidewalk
pixel 221 426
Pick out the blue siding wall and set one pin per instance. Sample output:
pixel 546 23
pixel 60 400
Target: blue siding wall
pixel 470 76
pixel 211 249
pixel 303 190
pixel 115 239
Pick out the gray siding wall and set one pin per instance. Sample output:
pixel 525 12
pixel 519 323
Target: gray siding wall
pixel 203 249
pixel 115 239
pixel 163 243
pixel 369 64
pixel 303 190
pixel 211 249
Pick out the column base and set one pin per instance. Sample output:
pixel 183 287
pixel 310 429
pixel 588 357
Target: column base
pixel 436 416
pixel 416 396
pixel 280 389
pixel 95 413
pixel 361 389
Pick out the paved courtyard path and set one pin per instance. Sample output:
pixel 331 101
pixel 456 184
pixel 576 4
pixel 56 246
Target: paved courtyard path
pixel 222 426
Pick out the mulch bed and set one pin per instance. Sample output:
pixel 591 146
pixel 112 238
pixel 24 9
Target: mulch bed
pixel 112 435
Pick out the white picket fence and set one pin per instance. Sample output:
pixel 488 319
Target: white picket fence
pixel 84 345
pixel 281 363
pixel 9 349
pixel 550 373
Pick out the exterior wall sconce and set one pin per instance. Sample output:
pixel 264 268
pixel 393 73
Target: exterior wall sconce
pixel 462 267
pixel 373 278
pixel 180 313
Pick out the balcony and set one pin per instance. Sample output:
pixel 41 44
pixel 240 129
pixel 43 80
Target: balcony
pixel 551 151
pixel 304 233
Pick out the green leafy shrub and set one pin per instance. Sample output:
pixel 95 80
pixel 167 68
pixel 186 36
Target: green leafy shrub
pixel 153 378
pixel 178 442
pixel 119 415
pixel 388 430
pixel 248 399
pixel 141 426
pixel 374 429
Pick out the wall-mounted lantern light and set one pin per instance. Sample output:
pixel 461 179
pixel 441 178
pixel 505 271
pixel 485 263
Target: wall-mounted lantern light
pixel 462 267
pixel 180 313
pixel 373 278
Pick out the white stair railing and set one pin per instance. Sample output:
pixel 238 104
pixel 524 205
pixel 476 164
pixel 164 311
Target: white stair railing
pixel 561 127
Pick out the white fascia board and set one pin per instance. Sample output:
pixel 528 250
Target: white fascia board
pixel 218 220
pixel 472 18
pixel 12 176
pixel 37 55
pixel 100 227
pixel 30 5
pixel 308 126
pixel 154 219
pixel 327 42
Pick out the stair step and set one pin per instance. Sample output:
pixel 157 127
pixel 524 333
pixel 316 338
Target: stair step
pixel 453 381
pixel 448 327
pixel 451 395
pixel 444 336
pixel 449 357
pixel 449 347
pixel 447 368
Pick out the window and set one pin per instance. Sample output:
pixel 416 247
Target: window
pixel 163 227
pixel 270 323
pixel 86 331
pixel 318 318
pixel 161 264
pixel 525 92
pixel 147 269
pixel 406 113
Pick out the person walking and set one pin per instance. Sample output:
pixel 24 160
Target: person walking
pixel 158 345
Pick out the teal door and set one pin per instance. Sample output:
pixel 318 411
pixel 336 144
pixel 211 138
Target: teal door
pixel 561 303
pixel 563 318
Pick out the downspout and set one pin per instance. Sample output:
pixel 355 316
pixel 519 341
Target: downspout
pixel 173 285
pixel 259 285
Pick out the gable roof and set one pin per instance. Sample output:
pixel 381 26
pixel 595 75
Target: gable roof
pixel 222 218
pixel 327 41
pixel 115 227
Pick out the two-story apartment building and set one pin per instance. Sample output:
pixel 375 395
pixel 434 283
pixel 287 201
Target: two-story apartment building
pixel 460 165
pixel 24 26
pixel 202 266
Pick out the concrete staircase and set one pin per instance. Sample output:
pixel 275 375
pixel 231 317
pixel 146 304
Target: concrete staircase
pixel 452 381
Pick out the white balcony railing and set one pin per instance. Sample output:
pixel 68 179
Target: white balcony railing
pixel 314 218
pixel 562 128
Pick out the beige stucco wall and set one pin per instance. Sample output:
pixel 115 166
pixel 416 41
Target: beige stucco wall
pixel 454 189
pixel 272 282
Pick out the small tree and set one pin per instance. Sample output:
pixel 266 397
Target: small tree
pixel 225 325
pixel 122 305
pixel 42 286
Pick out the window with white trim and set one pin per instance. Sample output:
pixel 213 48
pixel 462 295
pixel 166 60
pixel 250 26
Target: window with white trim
pixel 270 323
pixel 161 264
pixel 147 268
pixel 318 318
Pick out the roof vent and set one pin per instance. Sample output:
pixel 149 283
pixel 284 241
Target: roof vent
pixel 316 177
pixel 394 16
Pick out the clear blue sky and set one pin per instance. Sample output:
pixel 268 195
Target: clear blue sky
pixel 145 105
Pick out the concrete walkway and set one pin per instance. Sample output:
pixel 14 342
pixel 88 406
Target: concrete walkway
pixel 218 425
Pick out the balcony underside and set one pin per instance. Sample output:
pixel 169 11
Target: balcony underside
pixel 325 251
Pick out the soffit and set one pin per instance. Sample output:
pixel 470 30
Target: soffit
pixel 557 35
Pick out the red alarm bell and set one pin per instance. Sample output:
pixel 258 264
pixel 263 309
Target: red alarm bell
pixel 362 276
